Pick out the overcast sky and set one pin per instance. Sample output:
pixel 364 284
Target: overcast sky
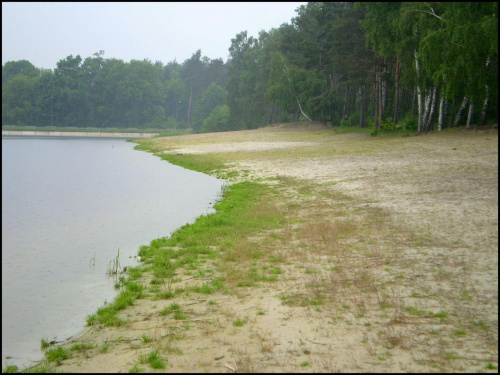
pixel 44 33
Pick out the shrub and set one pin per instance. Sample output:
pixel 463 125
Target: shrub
pixel 218 120
pixel 410 123
pixel 345 122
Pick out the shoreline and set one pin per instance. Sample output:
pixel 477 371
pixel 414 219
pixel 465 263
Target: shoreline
pixel 299 284
pixel 31 133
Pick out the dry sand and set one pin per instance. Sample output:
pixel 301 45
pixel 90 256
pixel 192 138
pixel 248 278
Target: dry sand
pixel 392 267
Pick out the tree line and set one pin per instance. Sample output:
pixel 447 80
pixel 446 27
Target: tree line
pixel 419 65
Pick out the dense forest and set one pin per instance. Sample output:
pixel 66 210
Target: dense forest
pixel 389 65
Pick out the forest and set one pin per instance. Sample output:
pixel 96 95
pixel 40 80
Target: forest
pixel 416 66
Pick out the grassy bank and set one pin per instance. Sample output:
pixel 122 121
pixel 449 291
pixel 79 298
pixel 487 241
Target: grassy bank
pixel 329 251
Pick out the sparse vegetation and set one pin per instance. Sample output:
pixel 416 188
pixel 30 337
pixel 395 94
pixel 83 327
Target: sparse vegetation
pixel 57 354
pixel 284 250
pixel 153 359
pixel 239 322
pixel 82 346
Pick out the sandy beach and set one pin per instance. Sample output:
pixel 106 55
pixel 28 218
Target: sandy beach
pixel 386 261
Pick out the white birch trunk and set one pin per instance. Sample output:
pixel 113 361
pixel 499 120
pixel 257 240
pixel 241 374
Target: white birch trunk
pixel 296 98
pixel 419 95
pixel 428 122
pixel 484 110
pixel 441 113
pixel 427 107
pixel 301 111
pixel 460 111
pixel 470 116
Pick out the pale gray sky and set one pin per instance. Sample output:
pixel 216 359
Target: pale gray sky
pixel 44 33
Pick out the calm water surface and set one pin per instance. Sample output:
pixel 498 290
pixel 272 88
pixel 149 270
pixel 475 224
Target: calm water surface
pixel 66 201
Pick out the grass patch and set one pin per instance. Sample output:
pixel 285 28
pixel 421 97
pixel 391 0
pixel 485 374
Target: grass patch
pixel 10 369
pixel 57 354
pixel 442 315
pixel 81 347
pixel 107 315
pixel 135 369
pixel 179 315
pixel 482 325
pixel 239 322
pixel 170 308
pixel 414 311
pixel 246 208
pixel 204 289
pixel 153 359
pixel 44 344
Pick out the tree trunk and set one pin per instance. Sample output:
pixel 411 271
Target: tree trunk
pixel 460 112
pixel 301 111
pixel 375 100
pixel 420 109
pixel 344 109
pixel 427 107
pixel 419 95
pixel 378 100
pixel 395 117
pixel 296 97
pixel 383 86
pixel 484 110
pixel 361 107
pixel 428 120
pixel 413 98
pixel 441 113
pixel 470 116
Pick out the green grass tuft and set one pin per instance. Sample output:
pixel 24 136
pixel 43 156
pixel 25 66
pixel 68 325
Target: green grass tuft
pixel 154 360
pixel 57 354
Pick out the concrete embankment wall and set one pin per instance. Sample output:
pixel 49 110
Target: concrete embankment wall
pixel 79 134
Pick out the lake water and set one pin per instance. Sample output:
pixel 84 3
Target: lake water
pixel 67 201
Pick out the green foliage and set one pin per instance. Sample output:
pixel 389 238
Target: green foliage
pixel 214 96
pixel 409 123
pixel 345 122
pixel 330 60
pixel 218 120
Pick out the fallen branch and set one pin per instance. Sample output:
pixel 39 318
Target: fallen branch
pixel 229 367
pixel 319 343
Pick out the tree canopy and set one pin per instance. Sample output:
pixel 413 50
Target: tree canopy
pixel 385 65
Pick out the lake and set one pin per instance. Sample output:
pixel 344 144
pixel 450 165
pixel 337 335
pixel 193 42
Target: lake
pixel 69 205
